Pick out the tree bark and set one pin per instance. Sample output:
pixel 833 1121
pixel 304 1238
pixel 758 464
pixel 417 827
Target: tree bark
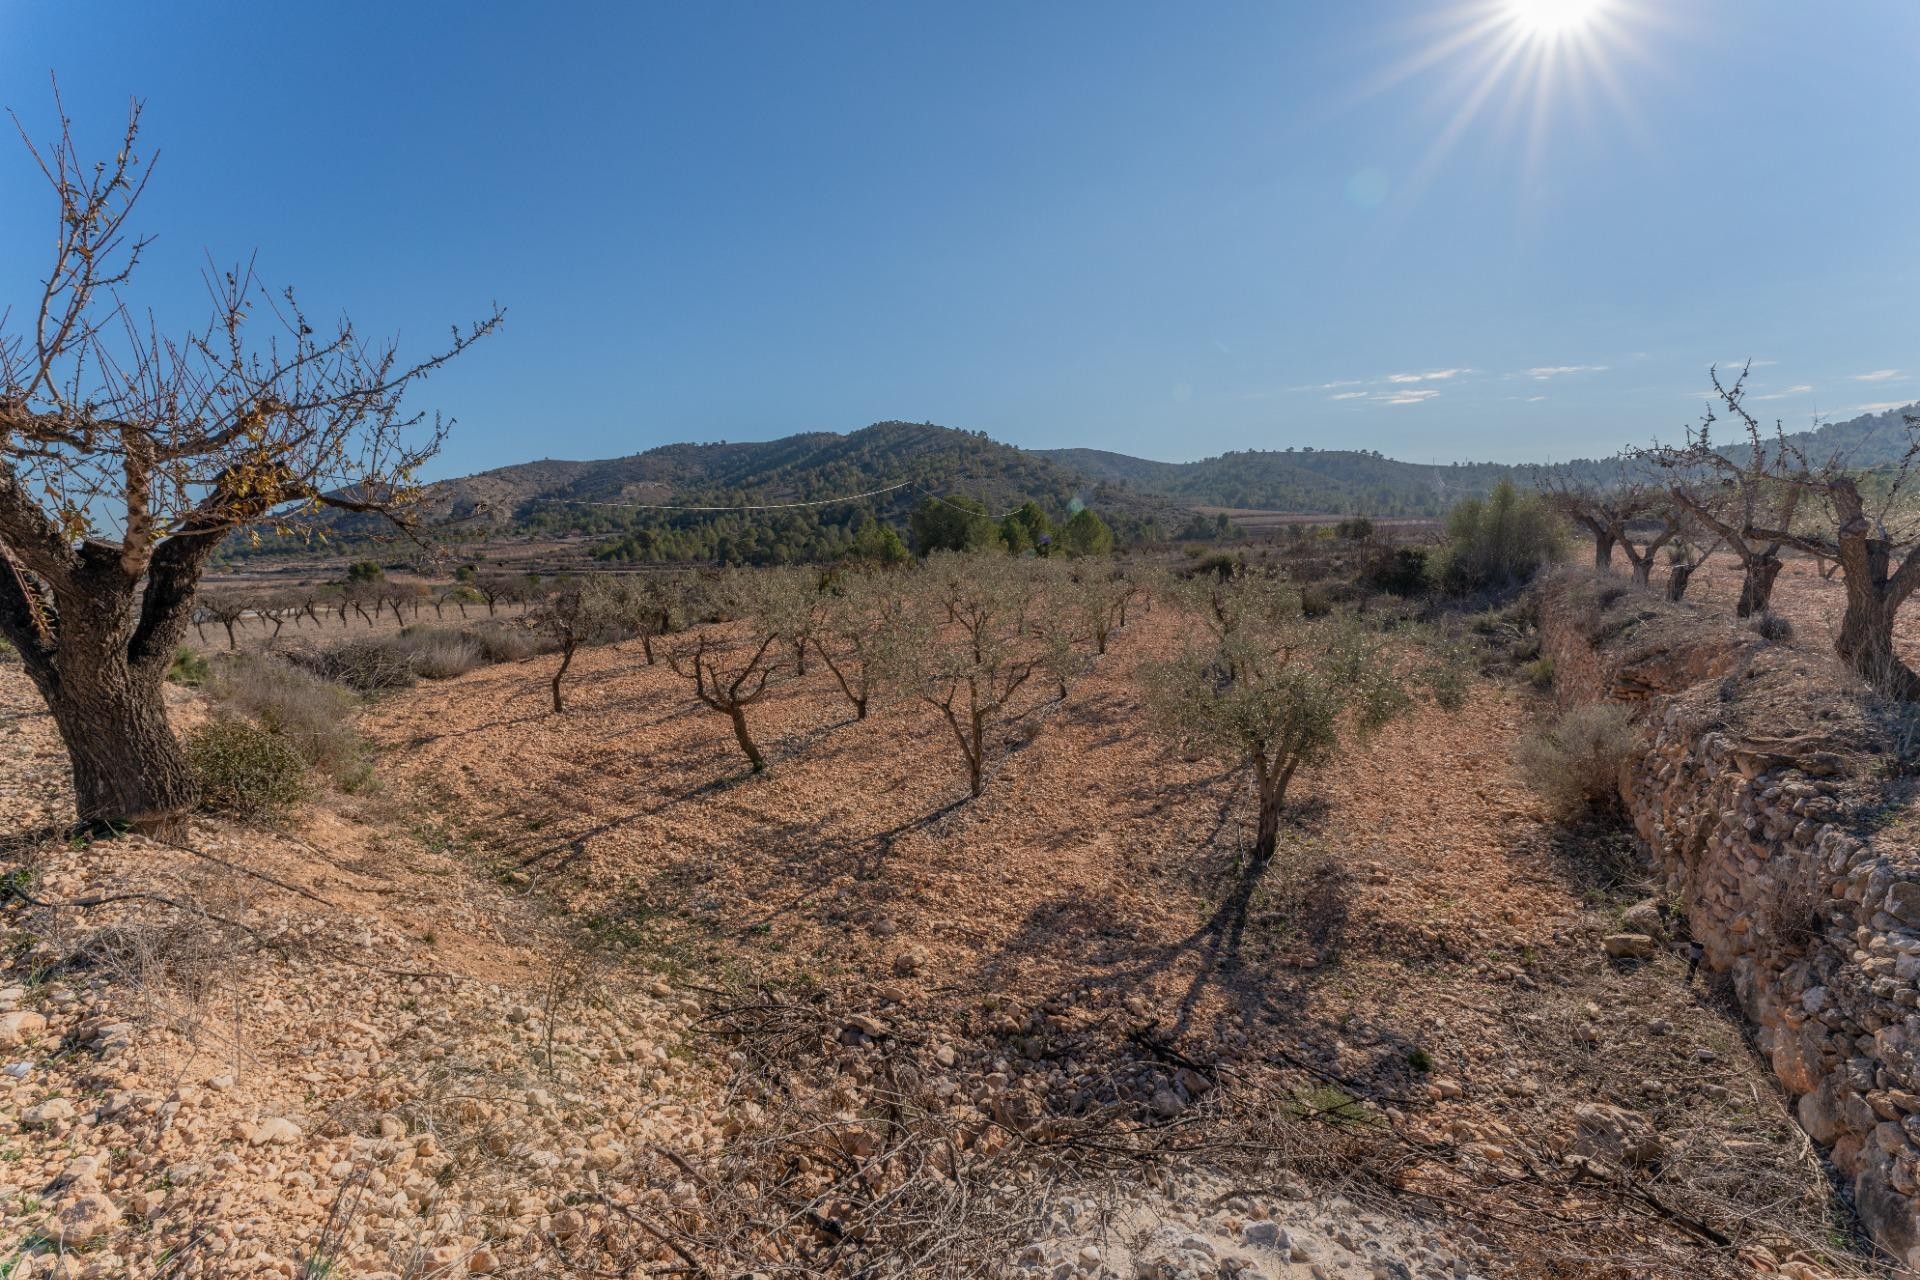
pixel 1603 551
pixel 1756 588
pixel 102 672
pixel 1273 798
pixel 128 768
pixel 1865 642
pixel 566 660
pixel 738 714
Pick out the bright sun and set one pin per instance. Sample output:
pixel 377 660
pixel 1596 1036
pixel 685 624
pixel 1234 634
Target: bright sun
pixel 1549 18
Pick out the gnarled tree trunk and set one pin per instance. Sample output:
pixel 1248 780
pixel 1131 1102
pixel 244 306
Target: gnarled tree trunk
pixel 1756 588
pixel 99 658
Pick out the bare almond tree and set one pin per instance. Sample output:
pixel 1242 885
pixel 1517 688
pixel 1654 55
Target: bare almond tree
pixel 734 666
pixel 1685 555
pixel 127 455
pixel 1733 492
pixel 1610 514
pixel 576 613
pixel 1873 535
pixel 974 649
pixel 227 608
pixel 860 633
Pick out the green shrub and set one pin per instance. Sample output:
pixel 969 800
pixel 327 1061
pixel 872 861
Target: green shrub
pixel 1315 602
pixel 188 668
pixel 1220 564
pixel 1539 672
pixel 1575 761
pixel 1499 541
pixel 245 770
pixel 1398 571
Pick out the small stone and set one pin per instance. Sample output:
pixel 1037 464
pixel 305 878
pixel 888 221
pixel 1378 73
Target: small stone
pixel 866 1025
pixel 1614 1133
pixel 50 1112
pixel 1628 946
pixel 83 1219
pixel 19 1026
pixel 274 1131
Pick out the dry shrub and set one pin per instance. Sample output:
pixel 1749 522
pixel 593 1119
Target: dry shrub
pixel 508 643
pixel 1771 626
pixel 437 653
pixel 310 714
pixel 366 666
pixel 1575 762
pixel 245 770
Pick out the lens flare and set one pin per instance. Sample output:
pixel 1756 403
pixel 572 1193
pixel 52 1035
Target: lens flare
pixel 1551 19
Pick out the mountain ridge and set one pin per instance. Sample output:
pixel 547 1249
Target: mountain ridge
pixel 817 489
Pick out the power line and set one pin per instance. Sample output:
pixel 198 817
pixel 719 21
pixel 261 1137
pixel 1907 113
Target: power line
pixel 738 506
pixel 778 506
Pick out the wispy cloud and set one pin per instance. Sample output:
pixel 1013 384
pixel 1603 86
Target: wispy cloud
pixel 1406 397
pixel 1434 375
pixel 1348 395
pixel 1743 363
pixel 1799 389
pixel 1545 371
pixel 1878 375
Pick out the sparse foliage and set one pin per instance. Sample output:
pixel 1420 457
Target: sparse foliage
pixel 1277 694
pixel 128 455
pixel 1575 761
pixel 971 649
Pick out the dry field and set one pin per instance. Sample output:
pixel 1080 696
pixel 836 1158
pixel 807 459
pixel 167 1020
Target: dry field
pixel 567 994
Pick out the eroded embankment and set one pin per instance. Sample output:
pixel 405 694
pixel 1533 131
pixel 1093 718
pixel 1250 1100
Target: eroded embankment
pixel 1763 791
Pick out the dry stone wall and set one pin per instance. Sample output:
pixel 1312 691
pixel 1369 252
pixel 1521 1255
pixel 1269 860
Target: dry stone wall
pixel 1762 794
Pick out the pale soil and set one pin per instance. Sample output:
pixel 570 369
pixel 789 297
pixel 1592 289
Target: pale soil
pixel 1800 595
pixel 1409 1003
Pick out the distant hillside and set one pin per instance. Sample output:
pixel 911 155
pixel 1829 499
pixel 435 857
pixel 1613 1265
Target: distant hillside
pixel 551 498
pixel 1342 482
pixel 1333 482
pixel 1140 498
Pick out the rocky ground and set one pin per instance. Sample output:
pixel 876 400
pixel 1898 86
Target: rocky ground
pixel 579 992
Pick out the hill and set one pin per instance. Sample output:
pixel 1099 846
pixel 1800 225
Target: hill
pixel 1334 482
pixel 903 461
pixel 1342 482
pixel 893 466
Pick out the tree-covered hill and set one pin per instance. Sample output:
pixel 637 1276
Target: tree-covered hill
pixel 908 461
pixel 608 500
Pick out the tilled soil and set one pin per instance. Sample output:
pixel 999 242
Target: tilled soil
pixel 1426 941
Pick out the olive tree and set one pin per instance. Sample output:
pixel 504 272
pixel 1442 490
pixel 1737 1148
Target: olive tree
pixel 1277 695
pixel 127 455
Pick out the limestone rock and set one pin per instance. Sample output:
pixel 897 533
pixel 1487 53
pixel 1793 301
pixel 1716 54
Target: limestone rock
pixel 1628 946
pixel 1614 1133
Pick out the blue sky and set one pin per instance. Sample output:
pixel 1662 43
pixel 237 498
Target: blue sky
pixel 1165 230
